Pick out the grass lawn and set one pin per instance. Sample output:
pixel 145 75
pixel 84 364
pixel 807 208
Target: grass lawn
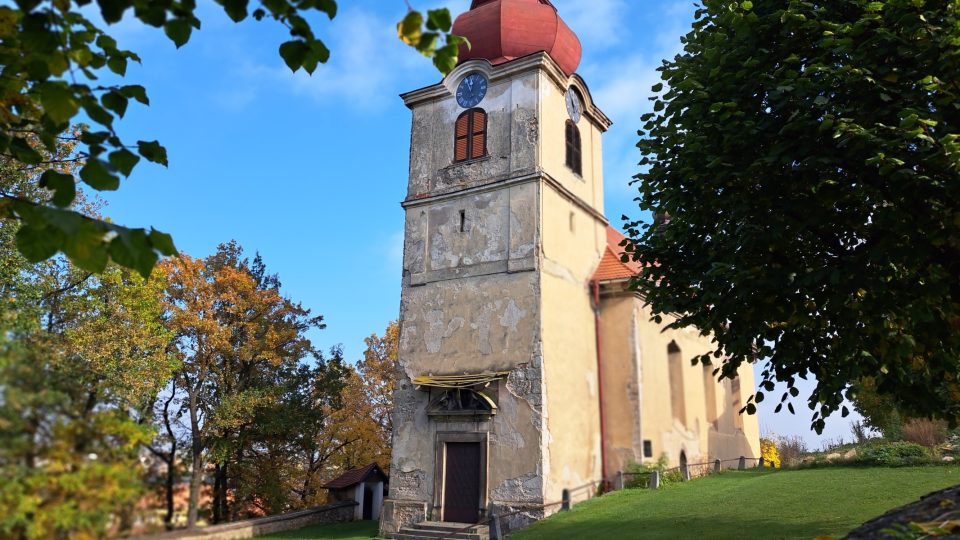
pixel 750 504
pixel 357 530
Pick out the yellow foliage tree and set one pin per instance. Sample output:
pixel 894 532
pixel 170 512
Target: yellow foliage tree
pixel 768 450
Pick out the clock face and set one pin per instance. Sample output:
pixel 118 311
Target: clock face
pixel 472 90
pixel 574 106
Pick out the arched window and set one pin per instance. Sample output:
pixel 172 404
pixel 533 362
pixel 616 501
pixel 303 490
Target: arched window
pixel 471 139
pixel 574 152
pixel 736 402
pixel 677 395
pixel 710 394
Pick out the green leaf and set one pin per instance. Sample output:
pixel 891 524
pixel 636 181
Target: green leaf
pixel 162 242
pixel 657 88
pixel 24 153
pixel 410 29
pixel 63 185
pixel 135 91
pixel 445 58
pixel 152 151
pixel 96 175
pixel 236 9
pixel 118 65
pixel 123 160
pixel 133 249
pixel 178 30
pixel 116 102
pixel 747 5
pixel 439 19
pixel 37 244
pixel 59 103
pixel 327 6
pixel 293 53
pixel 86 248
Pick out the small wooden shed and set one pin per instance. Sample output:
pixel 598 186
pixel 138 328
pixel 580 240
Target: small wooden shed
pixel 365 486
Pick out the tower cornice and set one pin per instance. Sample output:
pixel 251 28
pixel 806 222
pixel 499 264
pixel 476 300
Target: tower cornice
pixel 537 61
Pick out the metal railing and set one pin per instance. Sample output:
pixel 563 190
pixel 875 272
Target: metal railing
pixel 649 479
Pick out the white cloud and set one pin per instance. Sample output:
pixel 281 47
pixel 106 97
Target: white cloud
pixel 366 59
pixel 597 23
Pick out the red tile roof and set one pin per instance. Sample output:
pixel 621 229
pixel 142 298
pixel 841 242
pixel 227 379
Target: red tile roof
pixel 354 477
pixel 611 268
pixel 502 30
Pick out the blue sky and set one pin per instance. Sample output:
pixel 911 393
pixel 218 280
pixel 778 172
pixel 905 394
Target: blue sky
pixel 310 171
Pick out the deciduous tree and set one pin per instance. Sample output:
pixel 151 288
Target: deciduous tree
pixel 803 160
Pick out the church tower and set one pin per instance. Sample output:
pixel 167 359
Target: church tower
pixel 497 405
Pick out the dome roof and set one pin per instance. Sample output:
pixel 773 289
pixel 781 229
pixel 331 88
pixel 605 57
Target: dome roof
pixel 501 30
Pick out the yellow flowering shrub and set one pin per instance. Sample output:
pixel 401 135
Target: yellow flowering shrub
pixel 768 450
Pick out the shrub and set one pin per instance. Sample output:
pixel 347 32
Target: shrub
pixel 768 451
pixel 791 449
pixel 895 454
pixel 638 477
pixel 923 431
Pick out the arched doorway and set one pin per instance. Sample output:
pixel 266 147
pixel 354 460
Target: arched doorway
pixel 683 459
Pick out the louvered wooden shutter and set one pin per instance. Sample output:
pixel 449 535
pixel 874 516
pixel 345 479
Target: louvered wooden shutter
pixel 461 150
pixel 471 135
pixel 478 146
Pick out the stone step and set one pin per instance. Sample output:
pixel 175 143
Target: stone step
pixel 428 530
pixel 444 526
pixel 412 534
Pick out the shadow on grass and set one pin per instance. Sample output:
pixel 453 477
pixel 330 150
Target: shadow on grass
pixel 720 527
pixel 356 530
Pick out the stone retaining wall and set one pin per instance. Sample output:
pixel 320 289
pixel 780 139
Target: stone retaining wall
pixel 333 513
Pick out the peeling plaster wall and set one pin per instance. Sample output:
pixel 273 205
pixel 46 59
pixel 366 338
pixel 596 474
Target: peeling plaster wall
pixel 498 253
pixel 512 133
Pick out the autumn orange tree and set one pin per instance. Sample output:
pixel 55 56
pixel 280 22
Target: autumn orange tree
pixel 240 342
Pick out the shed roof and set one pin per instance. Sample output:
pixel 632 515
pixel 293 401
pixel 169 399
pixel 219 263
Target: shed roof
pixel 355 476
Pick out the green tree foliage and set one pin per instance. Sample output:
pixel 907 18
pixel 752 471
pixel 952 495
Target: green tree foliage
pixel 54 60
pixel 803 161
pixel 79 357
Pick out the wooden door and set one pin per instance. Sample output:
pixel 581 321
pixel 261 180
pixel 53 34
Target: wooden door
pixel 461 490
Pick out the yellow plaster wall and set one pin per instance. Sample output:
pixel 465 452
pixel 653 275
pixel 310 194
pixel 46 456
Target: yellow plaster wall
pixel 553 157
pixel 621 381
pixel 569 353
pixel 700 441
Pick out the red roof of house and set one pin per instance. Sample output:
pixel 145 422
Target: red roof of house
pixel 611 267
pixel 502 30
pixel 354 477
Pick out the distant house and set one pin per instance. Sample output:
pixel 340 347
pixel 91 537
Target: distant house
pixel 364 486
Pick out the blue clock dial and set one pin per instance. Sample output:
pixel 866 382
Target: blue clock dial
pixel 472 90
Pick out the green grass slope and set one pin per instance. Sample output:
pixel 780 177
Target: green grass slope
pixel 746 505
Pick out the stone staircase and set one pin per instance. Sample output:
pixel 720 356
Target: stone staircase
pixel 432 530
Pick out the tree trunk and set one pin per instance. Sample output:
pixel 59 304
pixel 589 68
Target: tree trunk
pixel 171 458
pixel 196 476
pixel 219 490
pixel 171 480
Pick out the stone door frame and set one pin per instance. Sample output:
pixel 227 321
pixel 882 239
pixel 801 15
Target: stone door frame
pixel 440 476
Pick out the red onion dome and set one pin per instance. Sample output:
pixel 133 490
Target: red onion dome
pixel 502 30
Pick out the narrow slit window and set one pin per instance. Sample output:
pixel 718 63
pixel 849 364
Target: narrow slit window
pixel 574 150
pixel 471 135
pixel 463 221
